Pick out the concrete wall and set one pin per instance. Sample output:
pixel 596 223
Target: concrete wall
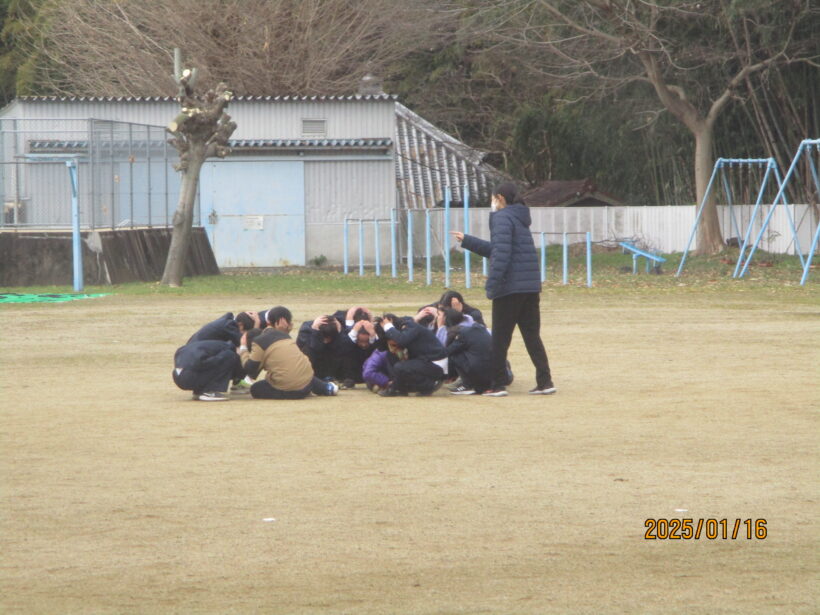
pixel 109 257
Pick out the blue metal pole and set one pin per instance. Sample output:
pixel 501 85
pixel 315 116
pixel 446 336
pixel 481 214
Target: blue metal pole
pixel 361 247
pixel 589 259
pixel 447 197
pixel 769 167
pixel 467 276
pixel 785 203
pixel 427 246
pixel 409 245
pixel 566 260
pixel 75 223
pixel 393 271
pixel 484 266
pixel 718 164
pixel 809 256
pixel 378 247
pixel 543 259
pixel 634 264
pixel 345 242
pixel 778 196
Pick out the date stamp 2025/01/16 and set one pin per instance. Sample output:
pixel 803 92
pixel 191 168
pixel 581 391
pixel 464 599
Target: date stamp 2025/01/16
pixel 711 529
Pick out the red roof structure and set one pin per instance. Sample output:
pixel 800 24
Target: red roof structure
pixel 573 193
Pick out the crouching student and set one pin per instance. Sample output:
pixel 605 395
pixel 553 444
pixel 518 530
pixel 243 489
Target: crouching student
pixel 378 367
pixel 207 367
pixel 322 342
pixel 359 344
pixel 289 374
pixel 469 350
pixel 423 371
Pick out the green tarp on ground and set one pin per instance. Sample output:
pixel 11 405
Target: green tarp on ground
pixel 45 297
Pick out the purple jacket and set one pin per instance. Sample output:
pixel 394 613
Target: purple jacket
pixel 374 370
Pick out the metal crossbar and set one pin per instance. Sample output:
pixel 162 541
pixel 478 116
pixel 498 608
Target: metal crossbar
pixel 720 165
pixel 654 257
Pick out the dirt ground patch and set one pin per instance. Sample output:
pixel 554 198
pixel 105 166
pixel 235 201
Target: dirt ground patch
pixel 121 495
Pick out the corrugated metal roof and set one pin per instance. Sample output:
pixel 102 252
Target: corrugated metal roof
pixel 292 98
pixel 429 160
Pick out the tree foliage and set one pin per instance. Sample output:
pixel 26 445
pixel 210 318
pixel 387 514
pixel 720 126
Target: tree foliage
pixel 551 89
pixel 124 47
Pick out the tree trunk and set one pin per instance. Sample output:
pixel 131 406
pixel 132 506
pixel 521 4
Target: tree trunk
pixel 183 220
pixel 710 238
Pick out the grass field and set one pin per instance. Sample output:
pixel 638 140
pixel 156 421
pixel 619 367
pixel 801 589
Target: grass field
pixel 695 397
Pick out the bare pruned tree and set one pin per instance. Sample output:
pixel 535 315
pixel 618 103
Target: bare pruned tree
pixel 697 57
pixel 123 47
pixel 201 130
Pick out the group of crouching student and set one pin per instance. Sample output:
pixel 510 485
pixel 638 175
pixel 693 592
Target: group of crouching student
pixel 446 341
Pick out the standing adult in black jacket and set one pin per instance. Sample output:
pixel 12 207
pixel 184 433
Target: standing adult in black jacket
pixel 514 285
pixel 422 371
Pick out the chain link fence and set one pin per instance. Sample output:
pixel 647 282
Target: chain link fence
pixel 126 174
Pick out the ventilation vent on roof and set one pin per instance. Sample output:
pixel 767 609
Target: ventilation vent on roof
pixel 314 128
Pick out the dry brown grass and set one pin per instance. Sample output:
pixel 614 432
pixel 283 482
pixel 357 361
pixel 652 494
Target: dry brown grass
pixel 120 495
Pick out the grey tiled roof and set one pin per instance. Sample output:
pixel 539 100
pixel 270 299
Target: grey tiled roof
pixel 80 145
pixel 292 98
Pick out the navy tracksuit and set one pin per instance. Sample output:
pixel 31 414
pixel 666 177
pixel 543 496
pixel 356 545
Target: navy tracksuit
pixel 470 355
pixel 206 366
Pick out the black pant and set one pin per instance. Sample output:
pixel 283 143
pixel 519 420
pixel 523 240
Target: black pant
pixel 228 367
pixel 327 365
pixel 520 309
pixel 478 378
pixel 264 390
pixel 416 375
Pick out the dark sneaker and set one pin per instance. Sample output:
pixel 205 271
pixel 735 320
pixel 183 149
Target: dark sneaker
pixel 461 390
pixel 347 383
pixel 388 391
pixel 213 396
pixel 547 389
pixel 495 393
pixel 438 384
pixel 331 388
pixel 456 384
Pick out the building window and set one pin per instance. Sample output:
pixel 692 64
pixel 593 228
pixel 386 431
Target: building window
pixel 314 128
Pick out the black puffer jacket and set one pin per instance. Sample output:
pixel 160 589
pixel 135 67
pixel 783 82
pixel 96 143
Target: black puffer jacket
pixel 513 264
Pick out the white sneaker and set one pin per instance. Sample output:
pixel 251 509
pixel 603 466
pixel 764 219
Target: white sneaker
pixel 461 390
pixel 495 393
pixel 546 390
pixel 213 396
pixel 332 388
